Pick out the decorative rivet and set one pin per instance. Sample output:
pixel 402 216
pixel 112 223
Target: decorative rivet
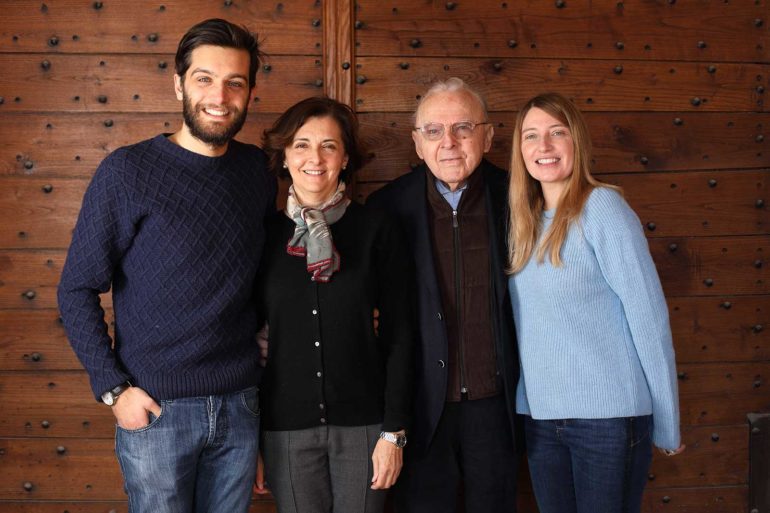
pixel 45 424
pixel 2 100
pixel 98 5
pixel 403 65
pixel 415 43
pixel 152 38
pixel 644 161
pixel 53 41
pixel 651 477
pixel 757 383
pixel 267 68
pixel 28 164
pixel 678 121
pixel 75 37
pixel 345 65
pixel 759 203
pixel 29 294
pixel 757 328
pixel 708 282
pixel 512 43
pixel 316 22
pixel 712 183
pixel 108 123
pixel 714 437
pixel 28 486
pixel 560 4
pixel 162 64
pixel 46 65
pixel 228 3
pixel 759 138
pixel 450 6
pixel 102 98
pixel 61 449
pixel 360 79
pixel 758 22
pixel 358 24
pixel 36 357
pixel 619 45
pixel 497 66
pixel 712 69
pixel 701 44
pixel 136 97
pixel 681 375
pixel 47 188
pixel 666 499
pixel 673 247
pixel 651 226
pixel 162 8
pixel 618 69
pixel 695 101
pixel 318 83
pixel 758 263
pixel 760 89
pixel 726 305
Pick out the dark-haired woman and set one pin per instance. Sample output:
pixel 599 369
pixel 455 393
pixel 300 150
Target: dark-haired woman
pixel 335 393
pixel 598 380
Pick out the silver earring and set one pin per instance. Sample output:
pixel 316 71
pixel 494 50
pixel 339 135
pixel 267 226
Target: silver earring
pixel 285 166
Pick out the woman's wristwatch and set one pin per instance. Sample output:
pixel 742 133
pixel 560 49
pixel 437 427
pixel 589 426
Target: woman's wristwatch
pixel 397 439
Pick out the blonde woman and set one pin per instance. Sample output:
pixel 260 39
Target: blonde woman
pixel 598 381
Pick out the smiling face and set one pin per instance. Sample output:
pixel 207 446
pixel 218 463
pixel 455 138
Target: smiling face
pixel 450 159
pixel 215 95
pixel 315 158
pixel 548 152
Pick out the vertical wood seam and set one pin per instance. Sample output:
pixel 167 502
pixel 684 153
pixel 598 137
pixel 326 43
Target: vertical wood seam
pixel 338 49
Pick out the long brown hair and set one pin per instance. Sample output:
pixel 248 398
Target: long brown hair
pixel 525 194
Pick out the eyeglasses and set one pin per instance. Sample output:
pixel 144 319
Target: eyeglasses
pixel 460 130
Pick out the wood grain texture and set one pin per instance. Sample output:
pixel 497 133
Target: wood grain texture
pixel 648 30
pixel 148 28
pixel 594 85
pixel 136 83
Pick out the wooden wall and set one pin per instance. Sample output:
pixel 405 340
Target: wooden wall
pixel 673 91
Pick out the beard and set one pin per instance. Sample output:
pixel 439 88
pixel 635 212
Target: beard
pixel 214 134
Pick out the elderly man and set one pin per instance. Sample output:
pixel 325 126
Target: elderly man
pixel 453 210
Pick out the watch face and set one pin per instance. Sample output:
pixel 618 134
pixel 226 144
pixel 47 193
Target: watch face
pixel 108 398
pixel 401 441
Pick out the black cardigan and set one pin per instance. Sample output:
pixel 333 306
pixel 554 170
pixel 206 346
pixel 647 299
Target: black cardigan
pixel 325 364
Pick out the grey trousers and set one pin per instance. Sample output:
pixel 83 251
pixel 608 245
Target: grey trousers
pixel 323 469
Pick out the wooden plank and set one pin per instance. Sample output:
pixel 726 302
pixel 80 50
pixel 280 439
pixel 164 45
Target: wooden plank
pixel 338 50
pixel 722 393
pixel 698 204
pixel 706 499
pixel 52 404
pixel 715 456
pixel 39 213
pixel 648 30
pixel 28 279
pixel 593 84
pixel 677 141
pixel 136 83
pixel 73 144
pixel 127 27
pixel 714 329
pixel 759 462
pixel 712 266
pixel 35 340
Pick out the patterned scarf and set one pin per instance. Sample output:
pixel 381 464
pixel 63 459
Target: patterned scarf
pixel 312 237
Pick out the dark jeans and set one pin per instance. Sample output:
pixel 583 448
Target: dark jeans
pixel 473 449
pixel 199 455
pixel 589 465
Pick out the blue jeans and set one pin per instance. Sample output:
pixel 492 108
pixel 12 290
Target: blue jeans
pixel 589 465
pixel 199 455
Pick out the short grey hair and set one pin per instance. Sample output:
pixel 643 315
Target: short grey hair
pixel 452 85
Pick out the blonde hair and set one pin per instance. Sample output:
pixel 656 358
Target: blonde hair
pixel 525 194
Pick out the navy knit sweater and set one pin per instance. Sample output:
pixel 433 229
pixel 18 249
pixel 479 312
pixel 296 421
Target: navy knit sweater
pixel 178 237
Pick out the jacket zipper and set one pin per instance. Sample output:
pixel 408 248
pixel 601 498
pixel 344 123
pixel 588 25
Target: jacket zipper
pixel 458 299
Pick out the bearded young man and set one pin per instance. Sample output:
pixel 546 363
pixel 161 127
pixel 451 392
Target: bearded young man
pixel 174 226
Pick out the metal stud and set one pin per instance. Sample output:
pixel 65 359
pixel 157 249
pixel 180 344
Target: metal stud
pixel 61 449
pixel 512 43
pixel 228 3
pixel 46 65
pixel 757 328
pixel 759 138
pixel 666 499
pixel 695 101
pixel 36 357
pixel 702 44
pixel 358 24
pixel 108 123
pixel 714 437
pixel 758 22
pixel 403 65
pixel 152 38
pixel 678 121
pixel 708 282
pixel 53 41
pixel 360 79
pixel 712 183
pixel 102 98
pixel 619 45
pixel 561 4
pixel 267 68
pixel 644 161
pixel 760 89
pixel 162 64
pixel 450 6
pixel 318 83
pixel 618 69
pixel 345 65
pixel 45 424
pixel 726 305
pixel 711 69
pixel 28 486
pixel 415 43
pixel 47 188
pixel 673 247
pixel 28 164
pixel 29 294
pixel 651 226
pixel 758 264
pixel 681 375
pixel 98 5
pixel 651 477
pixel 497 66
pixel 316 22
pixel 759 203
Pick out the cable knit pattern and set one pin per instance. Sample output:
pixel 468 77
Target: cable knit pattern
pixel 594 335
pixel 178 236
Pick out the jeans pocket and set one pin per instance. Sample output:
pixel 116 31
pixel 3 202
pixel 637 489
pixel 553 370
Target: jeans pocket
pixel 640 429
pixel 153 420
pixel 250 401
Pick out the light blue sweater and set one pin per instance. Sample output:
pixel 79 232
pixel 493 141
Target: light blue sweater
pixel 594 335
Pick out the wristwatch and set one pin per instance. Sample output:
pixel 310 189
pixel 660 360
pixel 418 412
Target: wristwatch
pixel 110 396
pixel 396 439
